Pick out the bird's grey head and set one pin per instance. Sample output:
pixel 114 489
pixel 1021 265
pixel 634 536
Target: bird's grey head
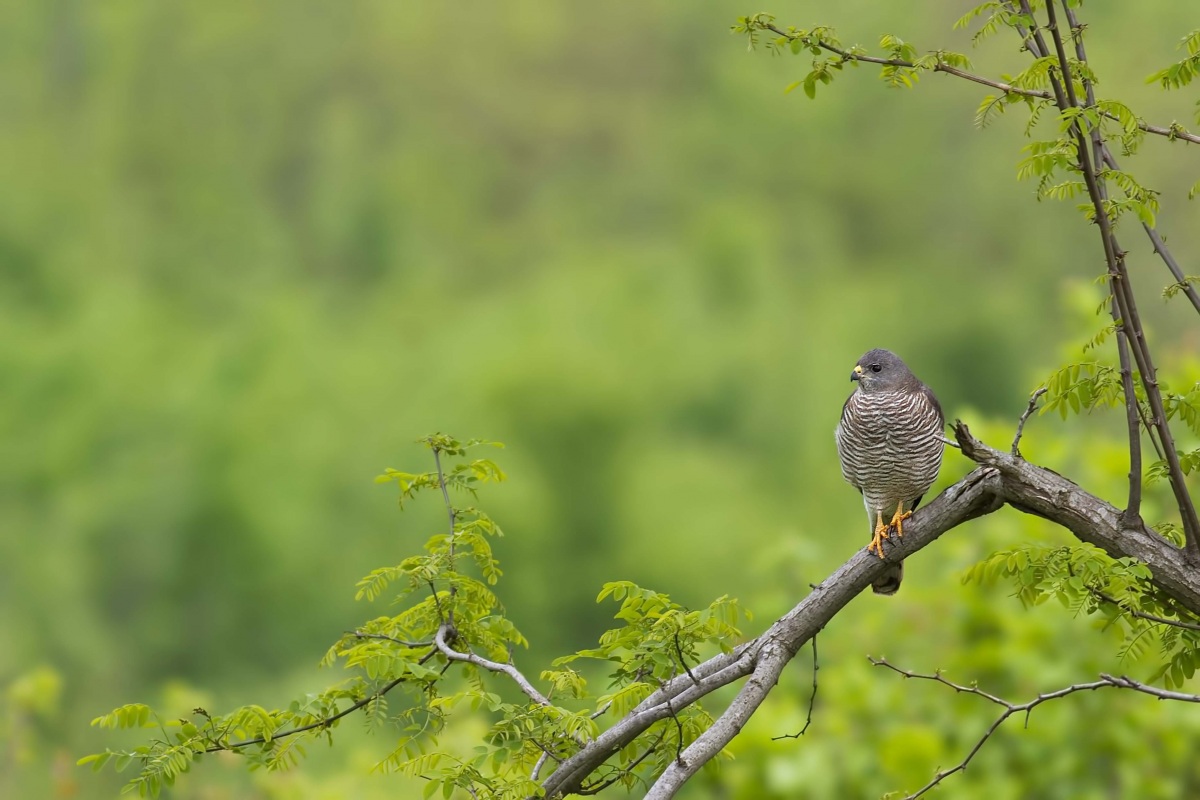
pixel 882 371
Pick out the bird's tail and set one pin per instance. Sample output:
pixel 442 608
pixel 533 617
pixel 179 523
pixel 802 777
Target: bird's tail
pixel 889 581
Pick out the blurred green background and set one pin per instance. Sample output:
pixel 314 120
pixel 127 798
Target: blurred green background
pixel 250 252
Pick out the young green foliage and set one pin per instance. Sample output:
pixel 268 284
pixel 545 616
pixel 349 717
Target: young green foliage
pixel 411 672
pixel 1184 71
pixel 1055 161
pixel 1117 591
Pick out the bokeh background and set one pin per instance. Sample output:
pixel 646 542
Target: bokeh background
pixel 250 252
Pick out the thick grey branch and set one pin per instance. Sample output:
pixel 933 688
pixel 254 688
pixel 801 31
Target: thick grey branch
pixel 773 657
pixel 969 498
pixel 1039 491
pixel 1001 478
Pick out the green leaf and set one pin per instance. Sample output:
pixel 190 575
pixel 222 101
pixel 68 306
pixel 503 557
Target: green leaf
pixel 810 86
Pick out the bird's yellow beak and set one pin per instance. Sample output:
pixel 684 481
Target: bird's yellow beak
pixel 857 374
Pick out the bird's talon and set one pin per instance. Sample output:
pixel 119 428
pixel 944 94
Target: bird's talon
pixel 898 521
pixel 876 545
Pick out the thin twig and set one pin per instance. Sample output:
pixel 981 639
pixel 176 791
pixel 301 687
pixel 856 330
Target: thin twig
pixel 1174 132
pixel 1151 432
pixel 683 661
pixel 602 785
pixel 599 712
pixel 1160 246
pixel 812 698
pixel 942 438
pixel 679 733
pixel 1016 450
pixel 385 637
pixel 452 514
pixel 541 762
pixel 939 67
pixel 1106 681
pixel 436 602
pixel 325 722
pixel 1133 612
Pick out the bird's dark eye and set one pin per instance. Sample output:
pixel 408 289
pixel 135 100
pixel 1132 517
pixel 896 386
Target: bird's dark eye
pixel 875 368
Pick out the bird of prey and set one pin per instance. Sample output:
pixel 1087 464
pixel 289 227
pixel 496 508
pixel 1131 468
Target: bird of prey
pixel 890 443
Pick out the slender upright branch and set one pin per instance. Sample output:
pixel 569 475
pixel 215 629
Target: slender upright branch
pixel 1160 246
pixel 453 515
pixel 1105 156
pixel 1133 411
pixel 1134 502
pixel 683 659
pixel 1033 398
pixel 1125 304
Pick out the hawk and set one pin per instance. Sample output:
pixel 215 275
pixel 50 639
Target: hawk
pixel 890 443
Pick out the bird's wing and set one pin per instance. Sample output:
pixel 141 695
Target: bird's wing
pixel 931 398
pixel 843 443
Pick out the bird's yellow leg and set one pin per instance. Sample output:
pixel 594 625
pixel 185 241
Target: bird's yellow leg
pixel 881 533
pixel 898 519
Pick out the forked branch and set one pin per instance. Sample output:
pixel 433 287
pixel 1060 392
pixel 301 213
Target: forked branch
pixel 1026 708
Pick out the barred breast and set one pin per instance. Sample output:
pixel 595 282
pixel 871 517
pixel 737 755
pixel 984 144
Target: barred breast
pixel 890 445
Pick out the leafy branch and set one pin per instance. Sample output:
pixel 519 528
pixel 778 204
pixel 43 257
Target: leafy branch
pixel 1061 78
pixel 904 68
pixel 659 734
pixel 453 619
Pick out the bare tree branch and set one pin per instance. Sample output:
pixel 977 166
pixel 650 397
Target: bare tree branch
pixel 386 638
pixel 812 698
pixel 1105 682
pixel 773 657
pixel 1133 505
pixel 537 768
pixel 1033 398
